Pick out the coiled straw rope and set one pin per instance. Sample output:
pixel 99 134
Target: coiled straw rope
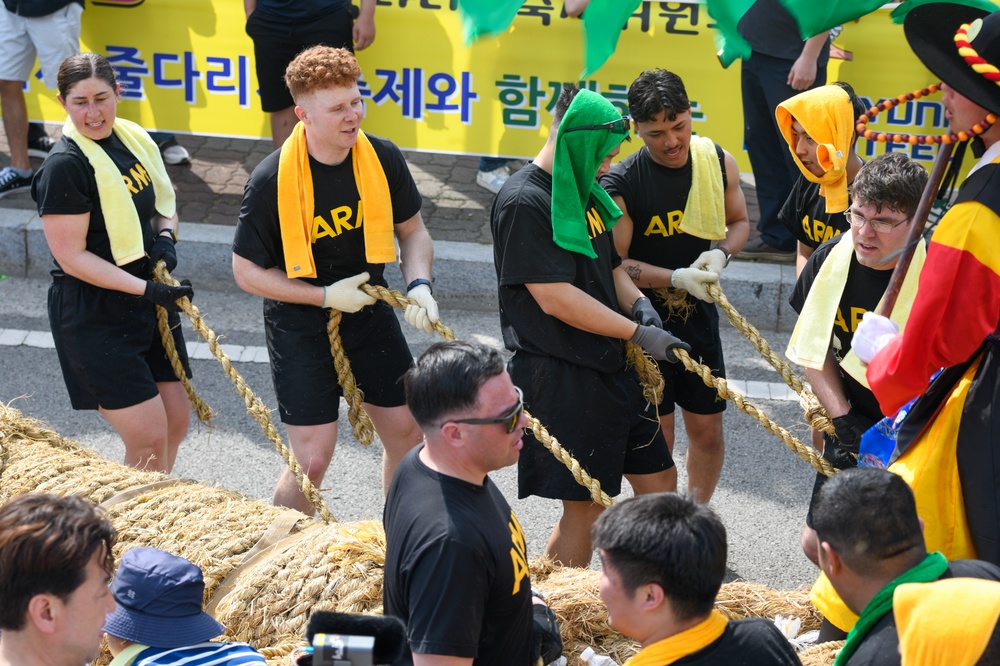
pixel 255 406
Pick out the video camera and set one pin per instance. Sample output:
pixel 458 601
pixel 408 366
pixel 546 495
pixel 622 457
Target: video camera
pixel 342 639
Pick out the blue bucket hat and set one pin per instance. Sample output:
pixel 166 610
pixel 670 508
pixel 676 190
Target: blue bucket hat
pixel 159 599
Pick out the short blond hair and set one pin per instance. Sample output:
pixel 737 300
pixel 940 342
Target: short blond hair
pixel 320 68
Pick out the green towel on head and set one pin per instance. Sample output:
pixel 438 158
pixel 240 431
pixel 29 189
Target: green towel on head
pixel 574 172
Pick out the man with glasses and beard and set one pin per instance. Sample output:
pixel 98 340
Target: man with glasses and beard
pixel 562 293
pixel 456 570
pixel 683 218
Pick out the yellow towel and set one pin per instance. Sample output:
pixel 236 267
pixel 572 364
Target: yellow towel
pixel 826 114
pixel 948 621
pixel 705 211
pixel 295 204
pixel 678 646
pixel 120 216
pixel 811 336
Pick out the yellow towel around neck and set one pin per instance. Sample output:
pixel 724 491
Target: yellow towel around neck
pixel 705 211
pixel 827 116
pixel 948 621
pixel 120 215
pixel 811 336
pixel 296 204
pixel 678 646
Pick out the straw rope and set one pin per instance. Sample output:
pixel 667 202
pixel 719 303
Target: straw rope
pixel 255 406
pixel 361 423
pixel 807 453
pixel 822 654
pixel 815 414
pixel 201 408
pixel 266 568
pixel 648 371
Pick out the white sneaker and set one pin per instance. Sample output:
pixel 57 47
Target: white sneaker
pixel 492 180
pixel 176 154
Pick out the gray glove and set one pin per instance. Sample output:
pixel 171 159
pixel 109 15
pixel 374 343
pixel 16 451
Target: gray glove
pixel 645 314
pixel 659 343
pixel 695 281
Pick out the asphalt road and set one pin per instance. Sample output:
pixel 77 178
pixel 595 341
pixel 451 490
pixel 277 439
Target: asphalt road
pixel 761 498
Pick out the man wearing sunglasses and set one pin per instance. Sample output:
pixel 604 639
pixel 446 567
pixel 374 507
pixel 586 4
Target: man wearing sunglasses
pixel 562 293
pixel 456 570
pixel 843 278
pixel 683 217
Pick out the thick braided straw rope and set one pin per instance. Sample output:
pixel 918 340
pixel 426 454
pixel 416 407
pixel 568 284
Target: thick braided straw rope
pixel 815 415
pixel 823 654
pixel 255 406
pixel 807 453
pixel 201 408
pixel 267 568
pixel 361 423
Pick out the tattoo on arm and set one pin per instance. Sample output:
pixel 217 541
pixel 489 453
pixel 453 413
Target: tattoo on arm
pixel 634 272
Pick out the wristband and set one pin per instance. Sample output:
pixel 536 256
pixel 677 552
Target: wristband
pixel 417 283
pixel 173 234
pixel 729 256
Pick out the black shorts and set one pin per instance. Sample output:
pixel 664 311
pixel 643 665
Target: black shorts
pixel 837 456
pixel 109 346
pixel 603 420
pixel 276 42
pixel 682 387
pixel 305 379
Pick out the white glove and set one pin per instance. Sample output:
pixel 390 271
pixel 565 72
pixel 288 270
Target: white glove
pixel 344 295
pixel 873 333
pixel 694 282
pixel 713 260
pixel 424 314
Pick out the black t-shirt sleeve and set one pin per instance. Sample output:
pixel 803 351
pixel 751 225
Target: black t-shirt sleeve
pixel 530 255
pixel 258 234
pixel 616 182
pixel 403 191
pixel 63 185
pixel 447 591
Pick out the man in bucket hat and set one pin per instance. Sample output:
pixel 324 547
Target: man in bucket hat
pixel 947 447
pixel 159 619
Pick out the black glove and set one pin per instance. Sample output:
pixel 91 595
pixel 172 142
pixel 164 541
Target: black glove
pixel 658 342
pixel 849 429
pixel 546 643
pixel 163 248
pixel 644 313
pixel 165 295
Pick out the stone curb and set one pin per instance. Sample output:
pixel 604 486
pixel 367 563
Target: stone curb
pixel 464 277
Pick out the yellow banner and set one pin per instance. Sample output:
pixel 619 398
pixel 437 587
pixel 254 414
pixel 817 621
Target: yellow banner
pixel 187 66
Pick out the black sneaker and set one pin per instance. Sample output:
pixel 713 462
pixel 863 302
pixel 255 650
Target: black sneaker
pixel 757 249
pixel 40 146
pixel 11 182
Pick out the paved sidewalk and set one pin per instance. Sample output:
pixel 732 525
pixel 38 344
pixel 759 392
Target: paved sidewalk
pixel 455 210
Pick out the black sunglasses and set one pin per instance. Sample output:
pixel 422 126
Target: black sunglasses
pixel 618 126
pixel 510 420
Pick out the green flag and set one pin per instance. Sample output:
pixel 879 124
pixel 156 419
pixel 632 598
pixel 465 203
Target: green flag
pixel 727 15
pixel 603 21
pixel 483 18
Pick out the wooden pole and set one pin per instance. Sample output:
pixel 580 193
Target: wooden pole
pixel 917 228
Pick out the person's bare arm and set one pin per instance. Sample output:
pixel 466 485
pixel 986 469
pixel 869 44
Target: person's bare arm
pixel 416 249
pixel 364 26
pixel 67 239
pixel 273 283
pixel 579 309
pixel 829 387
pixel 439 660
pixel 642 274
pixel 737 218
pixel 803 72
pixel 575 7
pixel 249 6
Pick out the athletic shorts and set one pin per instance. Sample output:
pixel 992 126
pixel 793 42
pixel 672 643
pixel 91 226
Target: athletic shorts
pixel 52 38
pixel 109 345
pixel 603 420
pixel 305 379
pixel 276 42
pixel 682 387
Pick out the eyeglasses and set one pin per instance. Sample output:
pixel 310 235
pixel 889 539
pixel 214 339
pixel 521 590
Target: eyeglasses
pixel 858 220
pixel 509 420
pixel 618 126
